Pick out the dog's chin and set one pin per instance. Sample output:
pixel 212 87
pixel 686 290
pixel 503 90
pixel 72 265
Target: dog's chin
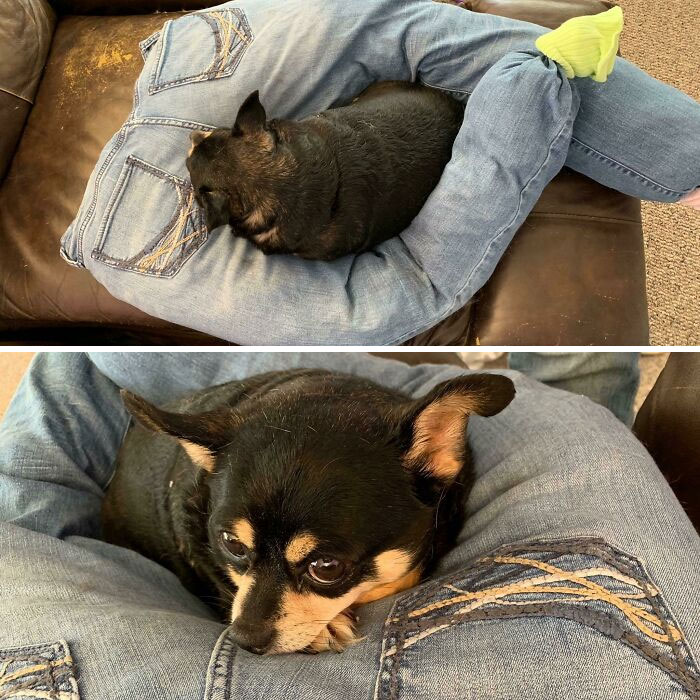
pixel 337 635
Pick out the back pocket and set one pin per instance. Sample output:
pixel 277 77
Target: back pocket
pixel 38 671
pixel 200 46
pixel 582 594
pixel 152 225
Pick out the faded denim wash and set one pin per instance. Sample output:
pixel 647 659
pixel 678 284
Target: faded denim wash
pixel 140 233
pixel 576 574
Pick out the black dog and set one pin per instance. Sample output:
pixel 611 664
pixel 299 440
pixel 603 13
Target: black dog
pixel 289 497
pixel 334 183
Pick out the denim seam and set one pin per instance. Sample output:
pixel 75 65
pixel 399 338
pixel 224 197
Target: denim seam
pixel 445 89
pixel 624 168
pixel 218 685
pixel 121 137
pixel 168 121
pixel 584 217
pixel 230 61
pixel 146 44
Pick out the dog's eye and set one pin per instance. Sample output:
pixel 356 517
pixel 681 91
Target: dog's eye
pixel 234 547
pixel 326 570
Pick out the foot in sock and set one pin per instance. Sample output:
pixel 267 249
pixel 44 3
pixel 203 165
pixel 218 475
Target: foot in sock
pixel 585 46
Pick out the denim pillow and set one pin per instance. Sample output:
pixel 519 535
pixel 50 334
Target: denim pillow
pixel 140 232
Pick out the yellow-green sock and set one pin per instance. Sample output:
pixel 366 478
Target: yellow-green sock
pixel 585 46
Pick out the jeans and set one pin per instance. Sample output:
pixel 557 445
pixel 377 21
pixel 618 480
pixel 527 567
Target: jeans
pixel 140 233
pixel 576 574
pixel 608 378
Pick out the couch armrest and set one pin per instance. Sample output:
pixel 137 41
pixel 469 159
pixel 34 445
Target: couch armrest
pixel 573 275
pixel 128 7
pixel 26 28
pixel 543 12
pixel 668 423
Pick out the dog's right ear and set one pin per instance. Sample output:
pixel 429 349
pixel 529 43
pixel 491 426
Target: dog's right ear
pixel 200 435
pixel 216 209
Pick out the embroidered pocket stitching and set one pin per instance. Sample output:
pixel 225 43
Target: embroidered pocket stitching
pixel 232 36
pixel 523 580
pixel 184 233
pixel 38 671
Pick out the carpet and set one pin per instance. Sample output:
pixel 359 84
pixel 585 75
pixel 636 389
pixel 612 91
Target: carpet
pixel 663 40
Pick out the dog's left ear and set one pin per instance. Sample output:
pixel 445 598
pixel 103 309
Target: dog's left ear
pixel 216 209
pixel 251 116
pixel 200 435
pixel 436 424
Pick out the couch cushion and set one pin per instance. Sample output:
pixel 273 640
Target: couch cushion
pixel 26 27
pixel 86 93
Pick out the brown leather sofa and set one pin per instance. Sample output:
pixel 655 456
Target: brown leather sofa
pixel 573 275
pixel 668 422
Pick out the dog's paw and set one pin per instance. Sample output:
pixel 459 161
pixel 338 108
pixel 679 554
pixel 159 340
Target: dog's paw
pixel 337 635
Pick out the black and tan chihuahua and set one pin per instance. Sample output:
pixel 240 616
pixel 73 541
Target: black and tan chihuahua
pixel 292 497
pixel 334 183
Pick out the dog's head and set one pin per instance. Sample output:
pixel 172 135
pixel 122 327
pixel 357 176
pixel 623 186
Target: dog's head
pixel 323 494
pixel 243 176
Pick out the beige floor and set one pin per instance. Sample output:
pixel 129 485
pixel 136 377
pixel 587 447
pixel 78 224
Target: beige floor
pixel 662 38
pixel 13 365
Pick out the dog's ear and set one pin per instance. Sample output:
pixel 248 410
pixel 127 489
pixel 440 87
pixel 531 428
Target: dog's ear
pixel 251 116
pixel 200 435
pixel 436 424
pixel 216 209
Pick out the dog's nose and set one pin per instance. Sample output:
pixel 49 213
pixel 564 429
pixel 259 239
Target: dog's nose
pixel 255 638
pixel 196 137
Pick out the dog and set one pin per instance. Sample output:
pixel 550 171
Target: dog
pixel 289 498
pixel 335 183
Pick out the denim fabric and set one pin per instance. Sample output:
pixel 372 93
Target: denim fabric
pixel 576 574
pixel 608 378
pixel 140 233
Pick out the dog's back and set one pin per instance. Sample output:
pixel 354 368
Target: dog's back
pixel 392 144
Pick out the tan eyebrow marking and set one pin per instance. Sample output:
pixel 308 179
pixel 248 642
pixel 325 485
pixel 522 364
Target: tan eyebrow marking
pixel 299 547
pixel 243 531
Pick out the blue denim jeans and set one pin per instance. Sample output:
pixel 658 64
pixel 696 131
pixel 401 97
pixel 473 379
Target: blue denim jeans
pixel 140 233
pixel 608 378
pixel 576 574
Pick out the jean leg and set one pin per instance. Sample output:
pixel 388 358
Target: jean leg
pixel 514 140
pixel 58 441
pixel 608 378
pixel 553 469
pixel 637 135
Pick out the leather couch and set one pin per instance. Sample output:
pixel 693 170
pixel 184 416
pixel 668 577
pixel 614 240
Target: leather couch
pixel 668 422
pixel 574 274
